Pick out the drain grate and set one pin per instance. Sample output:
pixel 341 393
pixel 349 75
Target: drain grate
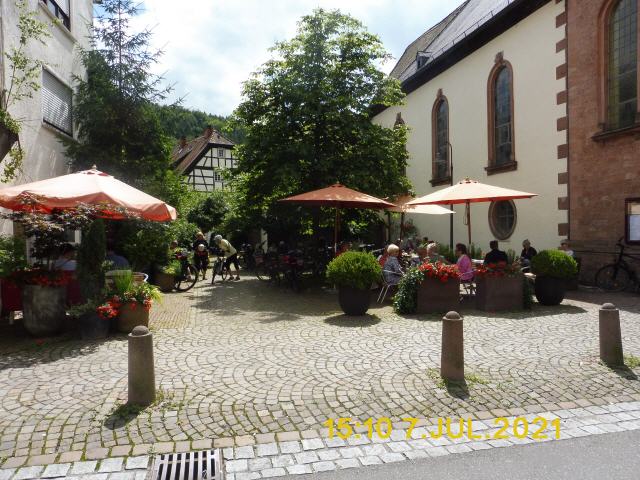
pixel 202 465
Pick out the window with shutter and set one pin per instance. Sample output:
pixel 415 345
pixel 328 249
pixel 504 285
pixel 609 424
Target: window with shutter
pixel 56 103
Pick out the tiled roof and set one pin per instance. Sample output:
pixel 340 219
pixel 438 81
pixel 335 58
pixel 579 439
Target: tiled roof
pixel 463 21
pixel 183 157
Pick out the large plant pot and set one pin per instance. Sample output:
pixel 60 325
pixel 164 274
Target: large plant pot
pixel 43 309
pixel 164 281
pixel 131 317
pixel 11 296
pixel 93 326
pixel 549 290
pixel 435 296
pixel 499 294
pixel 353 301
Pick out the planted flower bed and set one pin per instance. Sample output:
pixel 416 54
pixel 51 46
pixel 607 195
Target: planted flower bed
pixel 499 287
pixel 439 290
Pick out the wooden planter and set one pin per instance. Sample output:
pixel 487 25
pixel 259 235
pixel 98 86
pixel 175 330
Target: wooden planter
pixel 435 296
pixel 164 281
pixel 130 317
pixel 499 294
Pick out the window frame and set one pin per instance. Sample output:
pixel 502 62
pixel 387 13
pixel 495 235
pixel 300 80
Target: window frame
pixel 65 18
pixel 606 131
pixel 627 229
pixel 435 180
pixel 494 230
pixel 498 67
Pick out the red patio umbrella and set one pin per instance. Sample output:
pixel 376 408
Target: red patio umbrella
pixel 338 196
pixel 87 187
pixel 470 191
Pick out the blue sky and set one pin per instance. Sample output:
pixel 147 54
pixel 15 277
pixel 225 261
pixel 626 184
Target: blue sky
pixel 211 46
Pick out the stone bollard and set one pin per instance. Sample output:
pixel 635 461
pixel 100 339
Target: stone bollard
pixel 452 355
pixel 142 383
pixel 610 336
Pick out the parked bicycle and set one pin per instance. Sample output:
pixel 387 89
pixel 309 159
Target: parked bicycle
pixel 220 269
pixel 618 276
pixel 188 275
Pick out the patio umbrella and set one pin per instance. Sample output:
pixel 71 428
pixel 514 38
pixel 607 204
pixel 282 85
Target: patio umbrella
pixel 470 191
pixel 338 196
pixel 87 187
pixel 402 207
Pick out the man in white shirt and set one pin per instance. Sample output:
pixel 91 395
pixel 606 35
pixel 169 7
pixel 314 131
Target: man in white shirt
pixel 230 254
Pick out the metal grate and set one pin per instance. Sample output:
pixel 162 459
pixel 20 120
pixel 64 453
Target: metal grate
pixel 202 465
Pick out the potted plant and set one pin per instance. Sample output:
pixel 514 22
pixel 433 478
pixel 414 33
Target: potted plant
pixel 93 318
pixel 552 269
pixel 165 276
pixel 499 287
pixel 354 273
pixel 439 288
pixel 133 300
pixel 12 258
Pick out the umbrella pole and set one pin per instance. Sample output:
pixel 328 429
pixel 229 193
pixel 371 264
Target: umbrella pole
pixel 401 226
pixel 335 232
pixel 469 221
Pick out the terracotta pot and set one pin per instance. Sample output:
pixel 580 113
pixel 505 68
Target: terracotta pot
pixel 164 281
pixel 435 296
pixel 499 294
pixel 354 301
pixel 130 317
pixel 93 326
pixel 550 291
pixel 43 309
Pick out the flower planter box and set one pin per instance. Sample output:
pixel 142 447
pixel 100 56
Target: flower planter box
pixel 44 309
pixel 93 327
pixel 435 296
pixel 132 316
pixel 499 294
pixel 164 282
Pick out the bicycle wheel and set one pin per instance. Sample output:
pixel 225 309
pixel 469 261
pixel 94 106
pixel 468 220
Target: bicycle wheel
pixel 613 278
pixel 187 280
pixel 224 272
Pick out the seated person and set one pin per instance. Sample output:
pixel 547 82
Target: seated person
pixel 528 252
pixel 66 260
pixel 564 247
pixel 382 259
pixel 432 254
pixel 118 261
pixel 342 248
pixel 464 263
pixel 392 271
pixel 495 255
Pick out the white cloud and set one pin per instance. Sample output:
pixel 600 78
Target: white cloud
pixel 212 46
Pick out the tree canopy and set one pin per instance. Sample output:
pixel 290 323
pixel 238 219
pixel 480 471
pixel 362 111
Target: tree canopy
pixel 178 122
pixel 307 120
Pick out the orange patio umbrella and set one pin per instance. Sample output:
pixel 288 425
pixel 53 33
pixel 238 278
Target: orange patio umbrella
pixel 338 196
pixel 470 191
pixel 87 187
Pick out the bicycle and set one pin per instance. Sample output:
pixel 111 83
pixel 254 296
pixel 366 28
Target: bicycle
pixel 618 276
pixel 220 268
pixel 188 273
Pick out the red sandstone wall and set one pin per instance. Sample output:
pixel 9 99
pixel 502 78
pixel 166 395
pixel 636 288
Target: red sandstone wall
pixel 601 174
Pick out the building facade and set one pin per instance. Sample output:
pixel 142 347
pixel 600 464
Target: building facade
pixel 604 129
pixel 47 116
pixel 485 96
pixel 203 160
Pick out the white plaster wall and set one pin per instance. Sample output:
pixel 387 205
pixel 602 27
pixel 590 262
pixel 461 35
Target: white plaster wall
pixel 530 47
pixel 44 153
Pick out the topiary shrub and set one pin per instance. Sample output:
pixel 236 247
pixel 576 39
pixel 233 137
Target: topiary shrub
pixel 554 264
pixel 354 269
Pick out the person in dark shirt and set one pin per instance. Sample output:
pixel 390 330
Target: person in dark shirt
pixel 495 255
pixel 528 252
pixel 201 254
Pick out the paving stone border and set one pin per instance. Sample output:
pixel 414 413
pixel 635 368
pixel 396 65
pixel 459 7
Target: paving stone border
pixel 294 453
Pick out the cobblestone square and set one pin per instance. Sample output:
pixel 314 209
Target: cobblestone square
pixel 249 360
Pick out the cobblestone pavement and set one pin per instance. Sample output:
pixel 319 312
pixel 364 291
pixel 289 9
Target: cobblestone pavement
pixel 245 359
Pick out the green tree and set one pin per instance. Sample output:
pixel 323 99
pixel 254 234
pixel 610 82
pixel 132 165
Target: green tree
pixel 307 119
pixel 118 125
pixel 178 122
pixel 209 211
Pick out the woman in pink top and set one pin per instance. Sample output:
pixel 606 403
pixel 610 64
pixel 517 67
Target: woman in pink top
pixel 465 265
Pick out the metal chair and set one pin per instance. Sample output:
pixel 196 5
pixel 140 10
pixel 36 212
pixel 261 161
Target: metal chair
pixel 386 286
